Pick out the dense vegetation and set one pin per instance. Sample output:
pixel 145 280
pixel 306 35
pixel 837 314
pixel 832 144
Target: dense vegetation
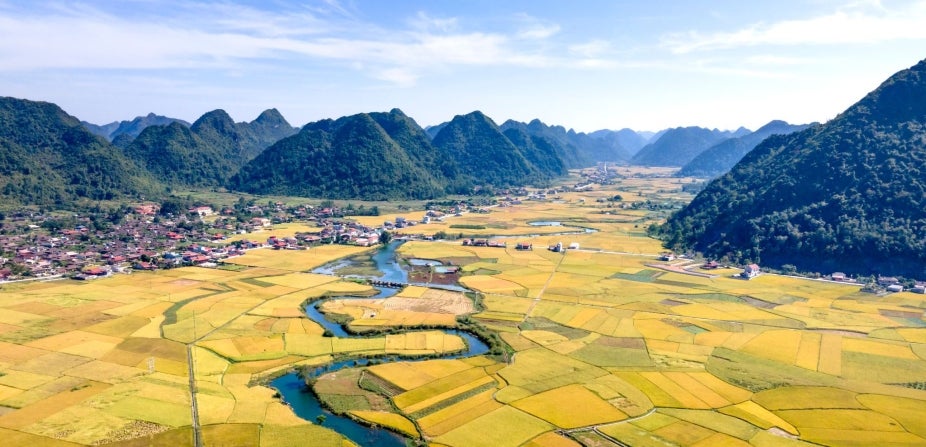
pixel 849 195
pixel 351 158
pixel 208 152
pixel 48 158
pixel 476 153
pixel 720 157
pixel 576 149
pixel 389 156
pixel 677 147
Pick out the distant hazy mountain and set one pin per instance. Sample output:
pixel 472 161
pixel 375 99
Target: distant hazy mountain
pixel 677 147
pixel 209 151
pixel 629 140
pixel 353 157
pixel 579 149
pixel 848 195
pixel 131 128
pixel 101 130
pixel 719 158
pixel 433 130
pixel 49 158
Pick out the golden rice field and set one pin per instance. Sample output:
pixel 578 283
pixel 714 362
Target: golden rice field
pixel 607 344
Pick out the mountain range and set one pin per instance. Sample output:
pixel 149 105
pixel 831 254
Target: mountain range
pixel 209 151
pixel 48 158
pixel 131 128
pixel 677 147
pixel 848 195
pixel 351 157
pixel 719 158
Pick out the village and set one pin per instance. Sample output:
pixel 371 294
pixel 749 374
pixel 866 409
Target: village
pixel 35 246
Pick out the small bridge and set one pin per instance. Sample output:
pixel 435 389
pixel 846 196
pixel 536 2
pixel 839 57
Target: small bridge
pixel 391 284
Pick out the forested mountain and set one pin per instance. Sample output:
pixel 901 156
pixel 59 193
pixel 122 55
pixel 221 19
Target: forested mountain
pixel 677 147
pixel 176 156
pixel 353 157
pixel 568 146
pixel 242 140
pixel 539 151
pixel 209 151
pixel 48 158
pixel 412 138
pixel 720 157
pixel 475 152
pixel 131 128
pixel 848 195
pixel 578 149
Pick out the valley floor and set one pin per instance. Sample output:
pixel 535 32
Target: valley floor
pixel 608 346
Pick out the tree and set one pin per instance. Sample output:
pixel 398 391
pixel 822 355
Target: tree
pixel 385 237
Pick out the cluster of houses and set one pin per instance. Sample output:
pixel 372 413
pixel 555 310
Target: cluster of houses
pixel 484 243
pixel 143 240
pixel 29 250
pixel 886 283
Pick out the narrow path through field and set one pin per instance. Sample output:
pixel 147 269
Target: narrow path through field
pixel 544 288
pixel 596 428
pixel 194 407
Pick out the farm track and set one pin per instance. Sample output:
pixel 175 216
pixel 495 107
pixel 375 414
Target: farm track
pixel 530 309
pixel 596 428
pixel 194 407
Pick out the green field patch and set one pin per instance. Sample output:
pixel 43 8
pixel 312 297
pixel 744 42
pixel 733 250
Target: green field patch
pixel 881 369
pixel 601 355
pixel 545 324
pixel 645 275
pixel 452 401
pixel 340 403
pixel 468 227
pixel 256 282
pixel 758 374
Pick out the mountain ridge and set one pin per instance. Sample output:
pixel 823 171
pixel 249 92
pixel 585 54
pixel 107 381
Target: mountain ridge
pixel 847 195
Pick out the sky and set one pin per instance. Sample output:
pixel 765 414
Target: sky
pixel 585 65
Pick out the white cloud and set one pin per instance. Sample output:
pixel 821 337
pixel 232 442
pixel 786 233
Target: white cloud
pixel 532 28
pixel 232 37
pixel 424 22
pixel 591 49
pixel 538 31
pixel 398 76
pixel 858 23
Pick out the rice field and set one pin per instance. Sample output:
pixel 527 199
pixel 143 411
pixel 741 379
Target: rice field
pixel 605 337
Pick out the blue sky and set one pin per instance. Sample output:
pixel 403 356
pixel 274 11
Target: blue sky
pixel 585 65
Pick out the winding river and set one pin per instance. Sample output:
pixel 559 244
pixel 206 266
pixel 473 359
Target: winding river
pixel 304 403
